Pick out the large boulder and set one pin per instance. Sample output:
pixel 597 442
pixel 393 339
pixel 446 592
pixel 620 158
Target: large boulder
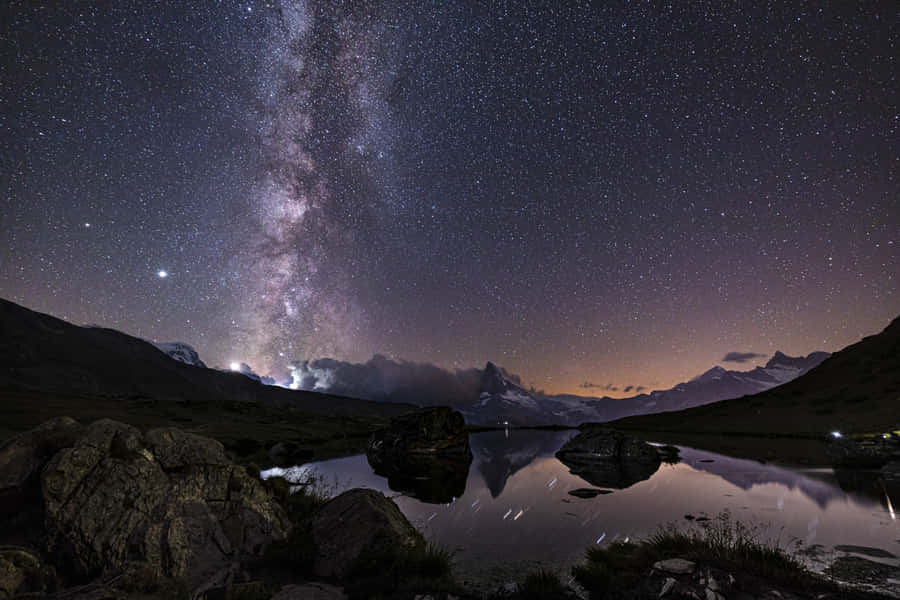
pixel 169 501
pixel 436 431
pixel 609 458
pixel 425 454
pixel 22 572
pixel 356 522
pixel 23 457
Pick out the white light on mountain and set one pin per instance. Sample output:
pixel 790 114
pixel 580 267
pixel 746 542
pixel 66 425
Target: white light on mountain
pixel 235 366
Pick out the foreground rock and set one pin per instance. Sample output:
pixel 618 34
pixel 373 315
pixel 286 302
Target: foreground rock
pixel 22 458
pixel 166 502
pixel 359 521
pixel 425 454
pixel 22 572
pixel 608 458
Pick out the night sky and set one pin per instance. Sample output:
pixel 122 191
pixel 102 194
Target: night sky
pixel 615 193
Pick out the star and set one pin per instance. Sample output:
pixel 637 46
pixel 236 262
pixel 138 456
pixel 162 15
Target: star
pixel 162 274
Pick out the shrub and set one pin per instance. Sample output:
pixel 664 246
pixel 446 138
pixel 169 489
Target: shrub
pixel 613 571
pixel 395 572
pixel 542 585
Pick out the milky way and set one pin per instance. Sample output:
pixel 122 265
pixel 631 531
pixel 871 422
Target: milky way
pixel 321 89
pixel 593 195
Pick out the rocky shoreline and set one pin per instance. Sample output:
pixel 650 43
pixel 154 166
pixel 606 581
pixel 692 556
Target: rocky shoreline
pixel 104 510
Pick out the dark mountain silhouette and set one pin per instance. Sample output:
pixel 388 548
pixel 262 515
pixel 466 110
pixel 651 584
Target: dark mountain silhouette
pixel 42 354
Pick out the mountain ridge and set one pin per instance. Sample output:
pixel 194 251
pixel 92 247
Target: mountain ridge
pixel 508 402
pixel 40 353
pixel 855 390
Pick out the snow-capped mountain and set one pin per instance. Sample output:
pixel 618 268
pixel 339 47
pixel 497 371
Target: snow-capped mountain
pixel 181 352
pixel 502 400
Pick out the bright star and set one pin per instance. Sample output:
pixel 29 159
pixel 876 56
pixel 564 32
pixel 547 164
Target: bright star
pixel 162 274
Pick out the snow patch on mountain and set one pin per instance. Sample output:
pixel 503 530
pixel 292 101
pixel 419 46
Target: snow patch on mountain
pixel 181 352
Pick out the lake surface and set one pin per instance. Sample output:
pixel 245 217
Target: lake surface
pixel 516 506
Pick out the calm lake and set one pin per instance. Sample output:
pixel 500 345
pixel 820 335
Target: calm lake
pixel 516 507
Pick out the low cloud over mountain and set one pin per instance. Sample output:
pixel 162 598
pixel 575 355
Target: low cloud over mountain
pixel 741 357
pixel 382 378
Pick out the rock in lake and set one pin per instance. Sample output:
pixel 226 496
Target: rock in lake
pixel 436 431
pixel 425 454
pixel 608 458
pixel 588 492
pixel 356 521
pixel 170 501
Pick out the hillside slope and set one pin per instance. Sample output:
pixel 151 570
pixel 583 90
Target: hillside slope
pixel 51 368
pixel 40 353
pixel 855 390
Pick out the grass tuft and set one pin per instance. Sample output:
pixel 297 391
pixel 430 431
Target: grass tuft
pixel 723 542
pixel 543 585
pixel 300 502
pixel 396 573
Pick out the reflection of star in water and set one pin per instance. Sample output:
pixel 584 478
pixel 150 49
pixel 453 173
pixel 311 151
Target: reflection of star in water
pixel 162 274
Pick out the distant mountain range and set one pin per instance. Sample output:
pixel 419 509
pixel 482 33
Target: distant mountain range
pixel 44 354
pixel 855 390
pixel 503 400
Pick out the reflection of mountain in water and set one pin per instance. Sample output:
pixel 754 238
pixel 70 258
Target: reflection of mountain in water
pixel 820 485
pixel 499 454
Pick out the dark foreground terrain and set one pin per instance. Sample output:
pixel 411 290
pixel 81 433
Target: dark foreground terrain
pixel 106 510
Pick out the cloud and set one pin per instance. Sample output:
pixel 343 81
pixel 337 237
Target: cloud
pixel 741 357
pixel 244 369
pixel 385 379
pixel 609 387
pixel 634 388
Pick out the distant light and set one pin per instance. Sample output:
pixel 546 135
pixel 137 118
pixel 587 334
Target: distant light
pixel 506 422
pixel 163 274
pixel 87 224
pixel 235 366
pixel 836 434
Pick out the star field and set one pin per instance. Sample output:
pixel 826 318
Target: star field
pixel 620 193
